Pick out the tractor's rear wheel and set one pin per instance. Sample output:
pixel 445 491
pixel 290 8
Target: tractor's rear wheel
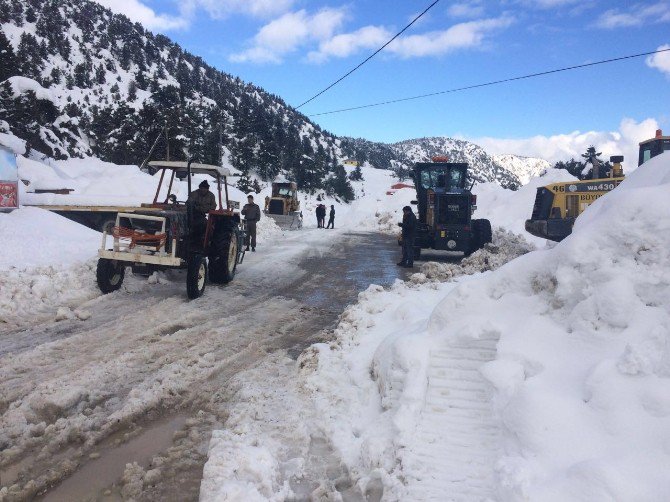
pixel 196 276
pixel 224 264
pixel 109 275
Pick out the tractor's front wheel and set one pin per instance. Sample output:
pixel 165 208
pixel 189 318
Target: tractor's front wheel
pixel 196 276
pixel 222 266
pixel 110 275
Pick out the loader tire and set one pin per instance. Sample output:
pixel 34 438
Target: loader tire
pixel 196 276
pixel 223 264
pixel 109 275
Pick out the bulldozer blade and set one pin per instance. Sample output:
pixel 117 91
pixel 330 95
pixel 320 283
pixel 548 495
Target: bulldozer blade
pixel 287 221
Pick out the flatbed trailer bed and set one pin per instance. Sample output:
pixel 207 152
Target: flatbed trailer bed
pixel 98 218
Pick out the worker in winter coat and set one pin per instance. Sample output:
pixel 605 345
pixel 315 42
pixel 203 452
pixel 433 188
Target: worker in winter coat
pixel 320 215
pixel 331 217
pixel 252 215
pixel 202 199
pixel 408 226
pixel 267 203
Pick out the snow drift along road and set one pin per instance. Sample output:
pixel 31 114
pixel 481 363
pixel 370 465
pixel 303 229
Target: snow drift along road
pixel 548 379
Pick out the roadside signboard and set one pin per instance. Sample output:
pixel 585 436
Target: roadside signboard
pixel 9 181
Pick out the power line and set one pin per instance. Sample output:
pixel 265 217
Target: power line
pixel 369 57
pixel 494 82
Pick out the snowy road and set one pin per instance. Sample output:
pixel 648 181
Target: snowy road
pixel 136 381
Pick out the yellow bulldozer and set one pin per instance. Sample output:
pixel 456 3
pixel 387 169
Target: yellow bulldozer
pixel 558 205
pixel 284 206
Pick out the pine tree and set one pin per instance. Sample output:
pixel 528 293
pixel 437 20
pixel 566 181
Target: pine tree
pixel 9 64
pixel 356 174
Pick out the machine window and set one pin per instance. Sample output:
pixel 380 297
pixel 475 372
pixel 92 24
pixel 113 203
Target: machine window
pixel 441 178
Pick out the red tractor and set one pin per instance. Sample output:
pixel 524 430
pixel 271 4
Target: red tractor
pixel 172 235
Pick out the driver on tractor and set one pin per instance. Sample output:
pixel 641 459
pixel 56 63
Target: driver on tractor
pixel 202 199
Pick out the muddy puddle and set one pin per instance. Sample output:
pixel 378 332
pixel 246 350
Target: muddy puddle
pixel 94 479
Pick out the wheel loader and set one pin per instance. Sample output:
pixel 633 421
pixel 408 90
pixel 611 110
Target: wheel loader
pixel 284 206
pixel 558 205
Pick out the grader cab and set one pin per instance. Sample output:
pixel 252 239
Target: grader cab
pixel 284 206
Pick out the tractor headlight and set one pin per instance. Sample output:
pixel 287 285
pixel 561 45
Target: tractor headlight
pixel 451 244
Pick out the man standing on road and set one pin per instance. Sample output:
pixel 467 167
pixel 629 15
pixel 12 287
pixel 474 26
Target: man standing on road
pixel 408 226
pixel 331 217
pixel 252 215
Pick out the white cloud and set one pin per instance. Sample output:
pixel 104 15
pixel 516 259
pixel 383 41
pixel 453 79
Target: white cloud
pixel 219 9
pixel 636 15
pixel 625 141
pixel 661 60
pixel 138 12
pixel 288 32
pixel 466 9
pixel 550 4
pixel 459 36
pixel 346 44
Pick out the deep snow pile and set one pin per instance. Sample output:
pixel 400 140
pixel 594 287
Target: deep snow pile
pixel 45 262
pixel 579 376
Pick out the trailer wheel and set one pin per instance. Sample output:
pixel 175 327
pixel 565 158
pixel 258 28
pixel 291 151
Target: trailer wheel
pixel 108 225
pixel 109 275
pixel 223 265
pixel 196 276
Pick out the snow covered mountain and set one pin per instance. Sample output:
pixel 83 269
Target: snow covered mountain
pixel 402 156
pixel 523 168
pixel 78 80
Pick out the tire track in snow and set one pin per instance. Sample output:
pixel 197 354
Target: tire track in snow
pixel 459 440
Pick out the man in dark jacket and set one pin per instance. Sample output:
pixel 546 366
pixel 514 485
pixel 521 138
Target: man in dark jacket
pixel 202 199
pixel 252 214
pixel 408 226
pixel 331 217
pixel 320 215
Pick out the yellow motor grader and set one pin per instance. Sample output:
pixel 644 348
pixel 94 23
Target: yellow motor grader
pixel 284 206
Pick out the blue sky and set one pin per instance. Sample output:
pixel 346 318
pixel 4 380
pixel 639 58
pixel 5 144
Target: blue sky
pixel 294 48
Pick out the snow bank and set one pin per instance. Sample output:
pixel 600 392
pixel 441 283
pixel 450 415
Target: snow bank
pixel 575 404
pixel 47 261
pixel 33 237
